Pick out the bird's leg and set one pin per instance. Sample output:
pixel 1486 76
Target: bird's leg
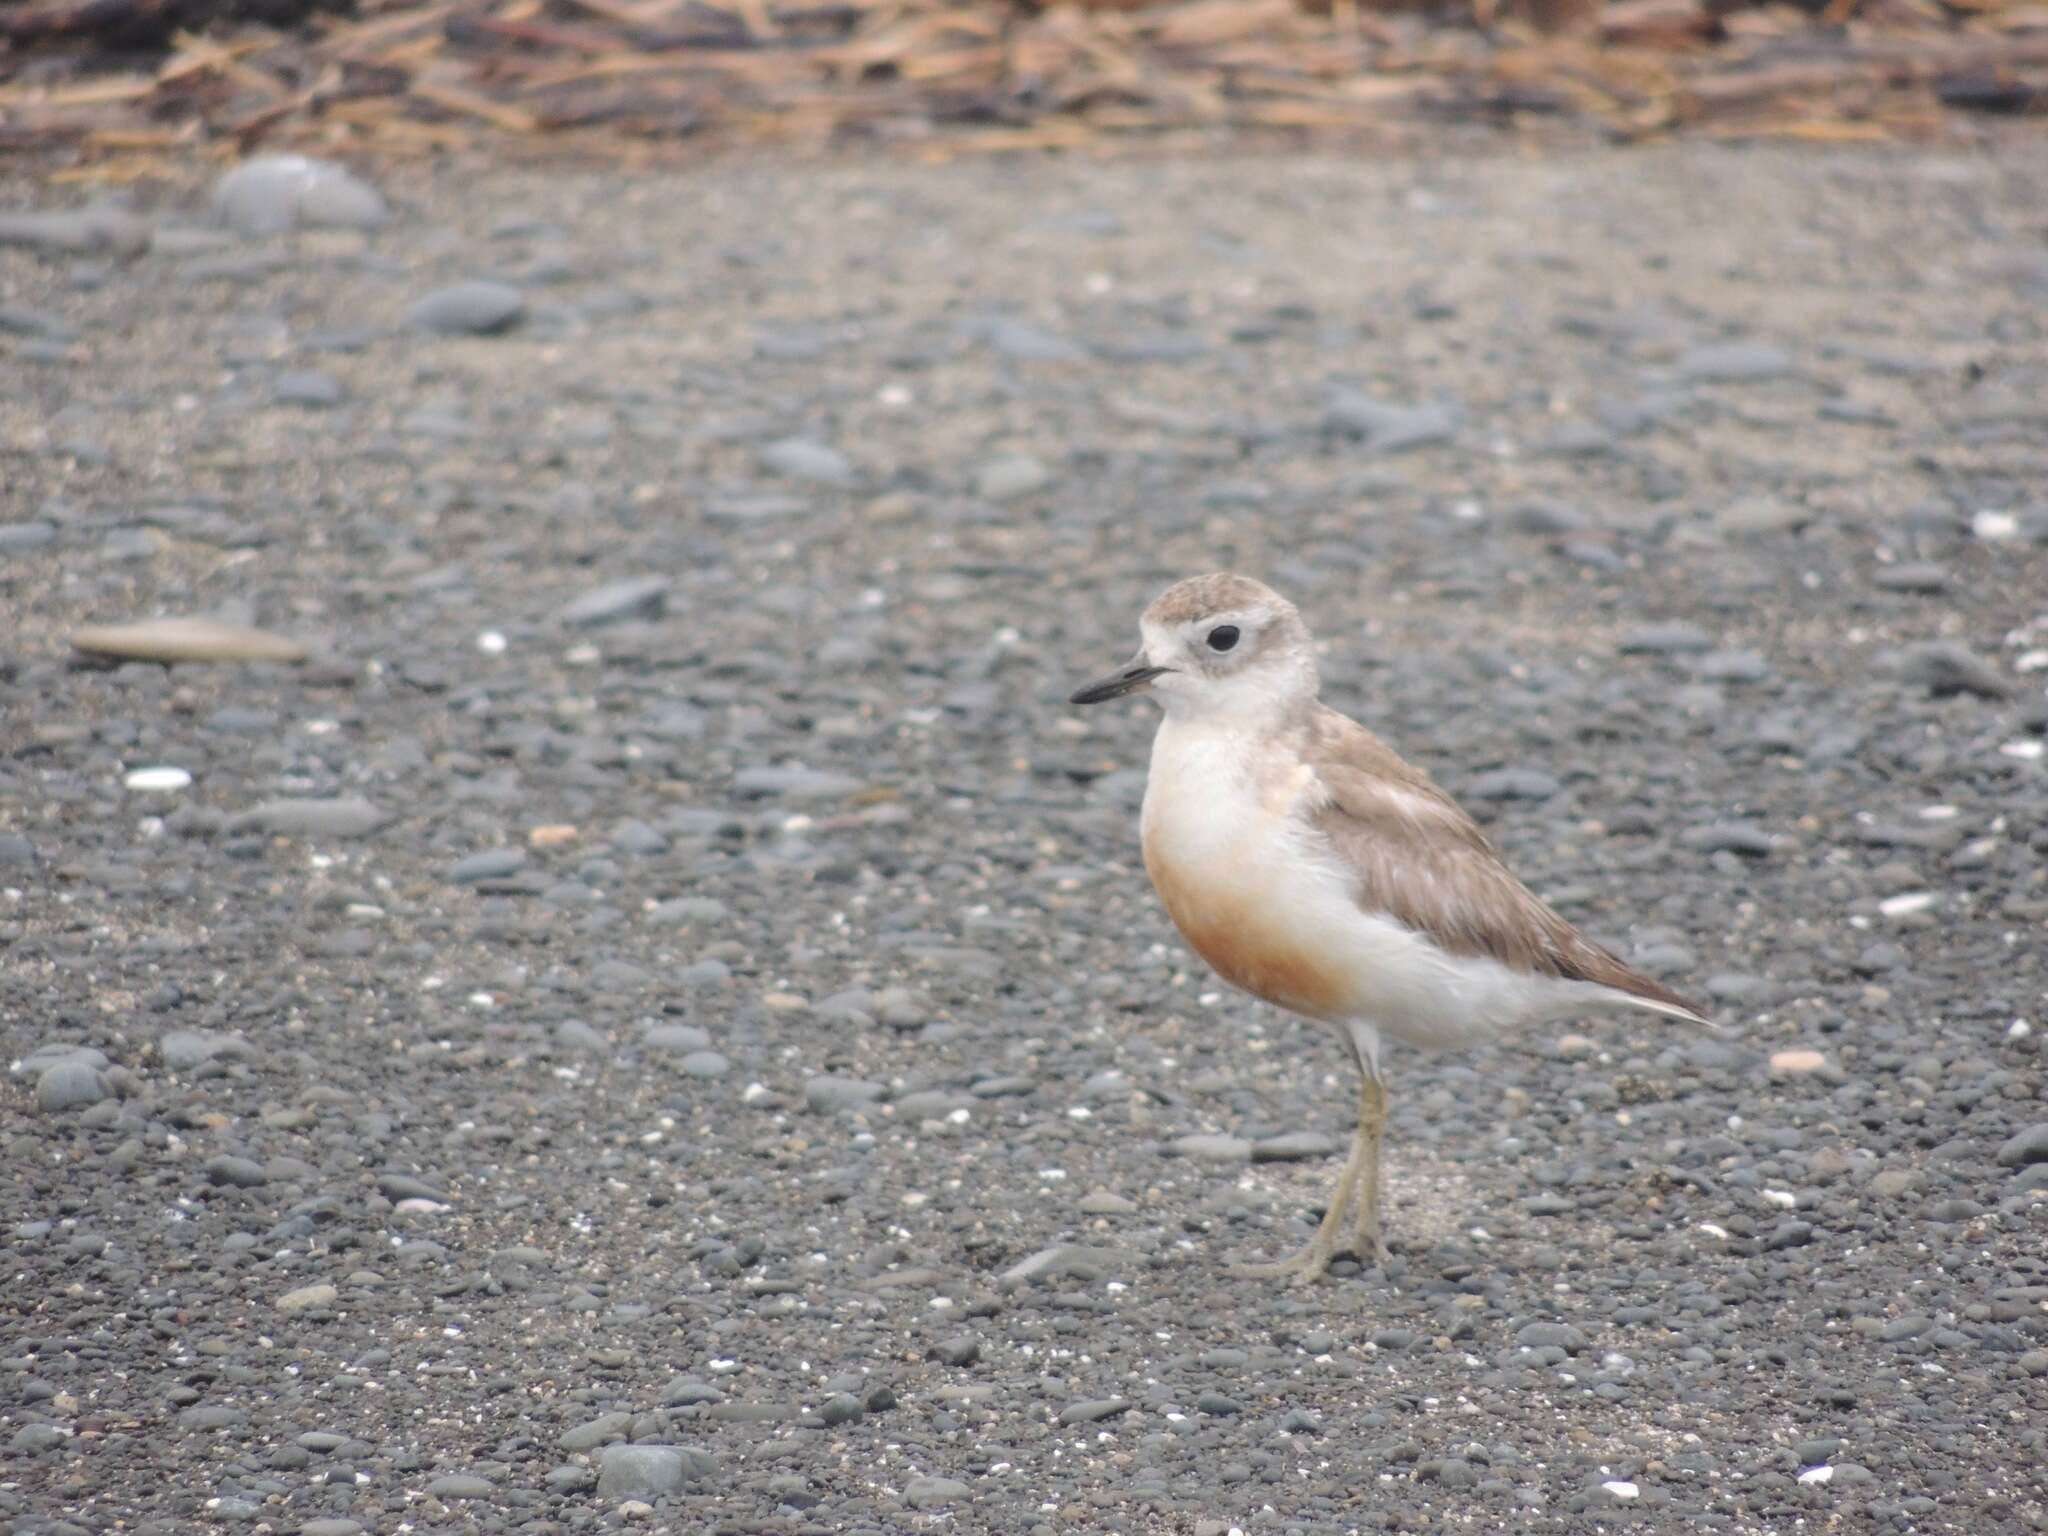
pixel 1366 1242
pixel 1313 1262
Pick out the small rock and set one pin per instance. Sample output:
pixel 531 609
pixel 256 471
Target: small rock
pixel 1293 1147
pixel 173 640
pixel 183 1049
pixel 1212 1148
pixel 1739 362
pixel 2028 1147
pixel 1388 428
pixel 1797 1062
pixel 98 229
pixel 490 864
pixel 798 458
pixel 931 1492
pixel 1011 478
pixel 275 193
pixel 477 308
pixel 308 1296
pixel 308 389
pixel 242 1172
pixel 638 597
pixel 1943 668
pixel 72 1083
pixel 650 1471
pixel 1063 1261
pixel 342 817
pixel 462 1486
pixel 836 1095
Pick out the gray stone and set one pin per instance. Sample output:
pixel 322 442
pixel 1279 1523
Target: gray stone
pixel 308 1297
pixel 21 538
pixel 99 229
pixel 1094 1410
pixel 595 1432
pixel 1943 668
pixel 308 389
pixel 1064 1261
pixel 183 1049
pixel 490 864
pixel 273 194
pixel 69 1084
pixel 835 1095
pixel 243 1172
pixel 706 1064
pixel 637 597
pixel 681 1038
pixel 1513 784
pixel 650 1471
pixel 1389 428
pixel 1564 1336
pixel 345 816
pixel 1212 1148
pixel 476 308
pixel 17 852
pixel 1027 343
pixel 1737 362
pixel 794 783
pixel 19 320
pixel 932 1492
pixel 1921 577
pixel 1665 640
pixel 1011 478
pixel 462 1486
pixel 799 458
pixel 2026 1147
pixel 1293 1147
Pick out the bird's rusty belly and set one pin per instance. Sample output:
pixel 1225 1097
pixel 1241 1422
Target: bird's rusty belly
pixel 1234 917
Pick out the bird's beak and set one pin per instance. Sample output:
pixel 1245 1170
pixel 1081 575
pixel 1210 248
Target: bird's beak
pixel 1133 677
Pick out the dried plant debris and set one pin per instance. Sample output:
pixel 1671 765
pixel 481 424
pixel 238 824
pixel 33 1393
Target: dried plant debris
pixel 136 78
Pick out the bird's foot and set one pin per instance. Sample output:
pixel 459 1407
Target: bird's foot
pixel 1307 1266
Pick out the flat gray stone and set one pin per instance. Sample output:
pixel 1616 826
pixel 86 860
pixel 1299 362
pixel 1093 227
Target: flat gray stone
pixel 1210 1147
pixel 342 817
pixel 2027 1147
pixel 931 1492
pixel 1735 362
pixel 637 597
pixel 183 1049
pixel 104 229
pixel 72 1083
pixel 799 458
pixel 477 308
pixel 490 864
pixel 1065 1260
pixel 1389 428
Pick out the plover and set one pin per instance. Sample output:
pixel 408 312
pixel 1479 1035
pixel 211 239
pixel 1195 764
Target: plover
pixel 1312 866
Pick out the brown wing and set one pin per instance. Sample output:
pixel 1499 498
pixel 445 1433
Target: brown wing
pixel 1421 860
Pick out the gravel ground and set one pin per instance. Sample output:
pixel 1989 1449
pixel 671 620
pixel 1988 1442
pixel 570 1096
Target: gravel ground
pixel 659 1020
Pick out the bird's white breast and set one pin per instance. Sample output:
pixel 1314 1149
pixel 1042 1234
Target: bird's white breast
pixel 1264 898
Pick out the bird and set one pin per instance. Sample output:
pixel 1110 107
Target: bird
pixel 1312 866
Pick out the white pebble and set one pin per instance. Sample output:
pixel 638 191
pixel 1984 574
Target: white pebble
pixel 2025 751
pixel 491 643
pixel 1620 1489
pixel 2019 1029
pixel 1992 526
pixel 1906 905
pixel 162 780
pixel 1818 1474
pixel 1784 1199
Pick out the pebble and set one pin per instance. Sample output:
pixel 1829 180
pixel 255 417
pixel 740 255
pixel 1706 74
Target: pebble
pixel 1739 362
pixel 273 194
pixel 1921 577
pixel 1063 1261
pixel 1729 837
pixel 590 1435
pixel 1027 343
pixel 1293 1147
pixel 1211 1147
pixel 1388 428
pixel 475 308
pixel 637 597
pixel 1512 784
pixel 1011 478
pixel 837 1095
pixel 97 229
pixel 72 1083
pixel 1665 640
pixel 2024 1148
pixel 932 1492
pixel 650 1471
pixel 1797 1062
pixel 307 1297
pixel 21 538
pixel 799 458
pixel 186 639
pixel 308 389
pixel 345 816
pixel 490 864
pixel 462 1486
pixel 242 1172
pixel 1942 668
pixel 183 1049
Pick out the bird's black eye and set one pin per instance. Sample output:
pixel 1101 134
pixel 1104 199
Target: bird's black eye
pixel 1222 637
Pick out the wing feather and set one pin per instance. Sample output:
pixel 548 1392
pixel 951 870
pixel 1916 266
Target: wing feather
pixel 1419 858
